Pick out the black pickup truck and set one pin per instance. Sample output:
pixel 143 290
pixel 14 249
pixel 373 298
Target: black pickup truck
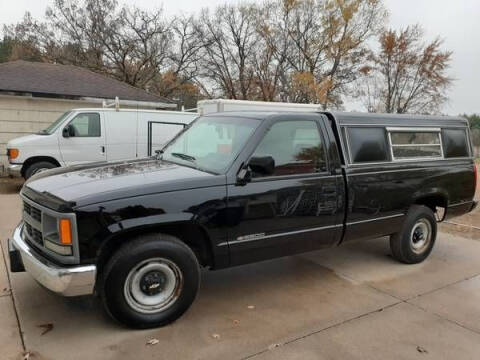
pixel 235 188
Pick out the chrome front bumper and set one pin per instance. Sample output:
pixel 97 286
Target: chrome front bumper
pixel 14 170
pixel 66 281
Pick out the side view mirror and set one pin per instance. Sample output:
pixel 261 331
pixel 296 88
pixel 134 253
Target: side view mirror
pixel 68 131
pixel 244 176
pixel 264 165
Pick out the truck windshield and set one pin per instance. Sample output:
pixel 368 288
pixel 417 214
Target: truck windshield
pixel 211 143
pixel 51 129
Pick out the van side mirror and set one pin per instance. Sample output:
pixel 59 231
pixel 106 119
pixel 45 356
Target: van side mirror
pixel 68 131
pixel 264 165
pixel 244 176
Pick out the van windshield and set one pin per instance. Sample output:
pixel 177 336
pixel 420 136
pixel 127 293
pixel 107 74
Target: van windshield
pixel 54 126
pixel 211 143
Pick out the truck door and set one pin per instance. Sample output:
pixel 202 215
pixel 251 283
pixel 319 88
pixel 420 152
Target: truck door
pixel 82 139
pixel 295 208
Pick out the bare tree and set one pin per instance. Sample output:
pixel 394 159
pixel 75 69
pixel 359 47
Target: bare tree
pixel 287 50
pixel 328 42
pixel 309 51
pixel 270 65
pixel 24 43
pixel 128 43
pixel 409 75
pixel 179 80
pixel 228 37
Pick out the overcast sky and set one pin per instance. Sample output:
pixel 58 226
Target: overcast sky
pixel 455 21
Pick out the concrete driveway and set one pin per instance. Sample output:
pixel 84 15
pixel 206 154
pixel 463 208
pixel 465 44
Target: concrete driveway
pixel 352 302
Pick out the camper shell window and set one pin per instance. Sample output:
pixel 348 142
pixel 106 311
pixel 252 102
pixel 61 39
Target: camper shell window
pixel 415 143
pixel 367 144
pixel 455 143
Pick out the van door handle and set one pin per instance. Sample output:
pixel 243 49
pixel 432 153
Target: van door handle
pixel 103 149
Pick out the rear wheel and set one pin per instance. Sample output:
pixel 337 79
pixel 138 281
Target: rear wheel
pixel 150 281
pixel 37 167
pixel 415 241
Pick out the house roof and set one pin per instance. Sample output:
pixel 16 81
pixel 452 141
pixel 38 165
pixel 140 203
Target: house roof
pixel 67 80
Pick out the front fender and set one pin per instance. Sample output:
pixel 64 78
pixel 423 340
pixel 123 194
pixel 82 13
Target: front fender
pixel 203 207
pixel 152 221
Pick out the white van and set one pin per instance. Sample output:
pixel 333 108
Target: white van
pixel 88 135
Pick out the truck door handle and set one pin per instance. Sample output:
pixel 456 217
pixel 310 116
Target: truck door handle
pixel 329 190
pixel 103 149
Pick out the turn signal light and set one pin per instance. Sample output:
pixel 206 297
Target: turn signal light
pixel 65 231
pixel 12 154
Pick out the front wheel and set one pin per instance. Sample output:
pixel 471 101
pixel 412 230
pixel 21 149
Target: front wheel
pixel 414 242
pixel 38 167
pixel 150 281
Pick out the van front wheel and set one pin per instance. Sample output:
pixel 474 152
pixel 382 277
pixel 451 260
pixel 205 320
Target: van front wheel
pixel 414 242
pixel 37 167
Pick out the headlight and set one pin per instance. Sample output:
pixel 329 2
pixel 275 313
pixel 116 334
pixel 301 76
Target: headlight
pixel 57 235
pixel 12 154
pixel 59 249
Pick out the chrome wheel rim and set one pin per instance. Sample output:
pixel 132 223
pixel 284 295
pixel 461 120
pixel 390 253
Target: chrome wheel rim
pixel 153 285
pixel 421 236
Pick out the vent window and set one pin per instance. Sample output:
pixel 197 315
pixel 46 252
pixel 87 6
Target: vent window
pixel 415 143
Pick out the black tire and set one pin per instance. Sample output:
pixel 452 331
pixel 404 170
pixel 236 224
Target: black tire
pixel 148 248
pixel 37 167
pixel 408 244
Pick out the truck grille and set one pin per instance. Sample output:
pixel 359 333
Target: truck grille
pixel 34 234
pixel 40 230
pixel 32 211
pixel 33 224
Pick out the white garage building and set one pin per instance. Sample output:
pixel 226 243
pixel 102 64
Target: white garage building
pixel 33 95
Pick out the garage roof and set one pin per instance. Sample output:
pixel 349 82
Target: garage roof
pixel 67 81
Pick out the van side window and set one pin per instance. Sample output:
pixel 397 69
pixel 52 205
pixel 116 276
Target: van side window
pixel 295 146
pixel 368 144
pixel 455 143
pixel 413 144
pixel 86 125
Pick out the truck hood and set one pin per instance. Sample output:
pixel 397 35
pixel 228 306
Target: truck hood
pixel 99 182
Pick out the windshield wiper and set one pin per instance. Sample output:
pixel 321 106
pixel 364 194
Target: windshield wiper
pixel 184 156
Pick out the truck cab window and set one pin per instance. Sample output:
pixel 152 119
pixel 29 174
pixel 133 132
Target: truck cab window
pixel 295 146
pixel 86 125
